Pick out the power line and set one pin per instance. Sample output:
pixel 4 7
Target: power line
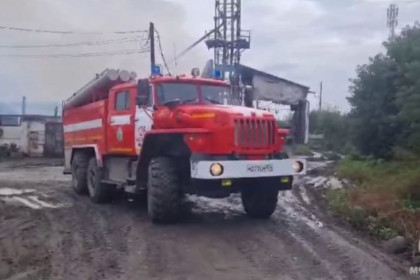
pixel 91 43
pixel 197 42
pixel 67 32
pixel 161 52
pixel 361 2
pixel 75 55
pixel 147 41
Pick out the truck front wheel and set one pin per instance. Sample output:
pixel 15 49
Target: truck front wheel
pixel 98 191
pixel 163 190
pixel 259 203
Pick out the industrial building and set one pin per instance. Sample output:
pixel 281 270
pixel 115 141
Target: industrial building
pixel 33 135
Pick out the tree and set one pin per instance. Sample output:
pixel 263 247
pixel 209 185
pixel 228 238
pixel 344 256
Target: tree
pixel 385 98
pixel 374 126
pixel 333 125
pixel 405 52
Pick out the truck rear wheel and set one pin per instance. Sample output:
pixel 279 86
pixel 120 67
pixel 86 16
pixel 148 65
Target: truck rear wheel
pixel 259 203
pixel 98 191
pixel 79 167
pixel 163 191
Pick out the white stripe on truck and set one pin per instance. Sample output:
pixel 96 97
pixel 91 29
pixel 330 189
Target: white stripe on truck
pixel 83 125
pixel 121 120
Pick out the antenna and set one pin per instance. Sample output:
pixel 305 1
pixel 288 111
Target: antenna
pixel 392 20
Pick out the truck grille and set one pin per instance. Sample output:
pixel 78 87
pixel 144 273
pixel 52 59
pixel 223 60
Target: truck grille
pixel 254 133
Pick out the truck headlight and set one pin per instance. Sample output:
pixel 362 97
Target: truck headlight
pixel 216 169
pixel 298 166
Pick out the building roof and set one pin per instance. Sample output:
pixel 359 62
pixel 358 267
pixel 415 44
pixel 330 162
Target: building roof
pixel 251 71
pixel 32 117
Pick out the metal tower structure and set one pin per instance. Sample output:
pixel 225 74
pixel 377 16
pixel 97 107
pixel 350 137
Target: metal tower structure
pixel 392 20
pixel 228 39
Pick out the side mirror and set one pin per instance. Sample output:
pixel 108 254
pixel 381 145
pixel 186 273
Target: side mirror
pixel 142 100
pixel 143 92
pixel 248 96
pixel 143 87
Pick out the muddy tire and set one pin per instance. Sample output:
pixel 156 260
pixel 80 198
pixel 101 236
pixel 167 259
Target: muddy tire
pixel 259 204
pixel 98 191
pixel 163 191
pixel 79 167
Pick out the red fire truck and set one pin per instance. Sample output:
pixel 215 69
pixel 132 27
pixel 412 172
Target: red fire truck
pixel 167 136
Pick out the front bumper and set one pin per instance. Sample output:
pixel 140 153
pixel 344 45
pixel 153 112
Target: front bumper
pixel 220 188
pixel 235 169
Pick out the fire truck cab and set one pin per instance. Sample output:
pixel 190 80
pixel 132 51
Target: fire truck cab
pixel 167 136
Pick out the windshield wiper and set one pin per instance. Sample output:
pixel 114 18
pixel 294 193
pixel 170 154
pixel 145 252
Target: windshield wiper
pixel 177 101
pixel 189 100
pixel 212 101
pixel 171 103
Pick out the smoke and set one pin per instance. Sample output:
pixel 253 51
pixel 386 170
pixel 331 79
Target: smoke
pixel 54 79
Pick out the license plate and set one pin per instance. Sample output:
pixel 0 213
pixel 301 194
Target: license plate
pixel 260 168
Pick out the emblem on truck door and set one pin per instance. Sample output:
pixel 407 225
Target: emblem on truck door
pixel 119 134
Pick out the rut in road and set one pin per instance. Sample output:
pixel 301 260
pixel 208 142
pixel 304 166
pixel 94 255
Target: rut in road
pixel 81 240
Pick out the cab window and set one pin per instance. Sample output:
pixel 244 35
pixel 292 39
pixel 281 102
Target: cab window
pixel 122 101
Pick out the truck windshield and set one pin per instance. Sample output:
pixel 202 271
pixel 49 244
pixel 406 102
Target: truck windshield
pixel 186 93
pixel 189 94
pixel 217 95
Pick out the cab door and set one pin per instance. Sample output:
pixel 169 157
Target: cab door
pixel 144 114
pixel 121 121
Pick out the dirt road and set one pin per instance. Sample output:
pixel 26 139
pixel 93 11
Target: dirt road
pixel 48 232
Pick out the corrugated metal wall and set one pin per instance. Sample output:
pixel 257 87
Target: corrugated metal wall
pixel 53 146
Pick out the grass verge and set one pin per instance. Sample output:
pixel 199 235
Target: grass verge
pixel 385 200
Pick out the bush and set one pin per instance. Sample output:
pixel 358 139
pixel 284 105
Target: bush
pixel 340 204
pixel 4 151
pixel 333 125
pixel 355 171
pixel 402 154
pixel 302 150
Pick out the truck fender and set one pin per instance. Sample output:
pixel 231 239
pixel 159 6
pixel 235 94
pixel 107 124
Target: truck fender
pixel 159 144
pixel 91 149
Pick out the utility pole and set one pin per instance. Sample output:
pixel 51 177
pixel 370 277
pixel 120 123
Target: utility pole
pixel 152 46
pixel 23 105
pixel 320 96
pixel 392 20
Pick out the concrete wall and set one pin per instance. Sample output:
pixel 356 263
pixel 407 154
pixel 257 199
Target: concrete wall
pixel 11 134
pixel 29 137
pixel 33 137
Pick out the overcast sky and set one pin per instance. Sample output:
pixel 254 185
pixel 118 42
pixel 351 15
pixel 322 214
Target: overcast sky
pixel 306 41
